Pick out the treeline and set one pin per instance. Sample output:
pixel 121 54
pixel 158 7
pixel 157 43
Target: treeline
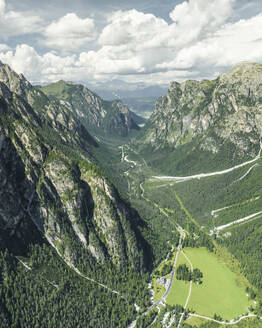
pixel 130 283
pixel 245 244
pixel 167 268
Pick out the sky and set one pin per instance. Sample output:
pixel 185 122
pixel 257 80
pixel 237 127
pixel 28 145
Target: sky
pixel 135 41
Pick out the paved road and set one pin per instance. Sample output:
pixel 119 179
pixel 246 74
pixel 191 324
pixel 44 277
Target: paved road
pixel 129 161
pixel 204 175
pixel 181 179
pixel 248 171
pixel 246 218
pixel 213 212
pixel 161 299
pixel 124 158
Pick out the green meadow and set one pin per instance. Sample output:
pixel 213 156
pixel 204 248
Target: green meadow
pixel 220 293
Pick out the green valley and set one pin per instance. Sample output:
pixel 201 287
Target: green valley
pixel 152 227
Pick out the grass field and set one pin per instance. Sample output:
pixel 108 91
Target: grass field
pixel 194 321
pixel 159 291
pixel 179 290
pixel 220 292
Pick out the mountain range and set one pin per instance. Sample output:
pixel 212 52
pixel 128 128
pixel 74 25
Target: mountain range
pixel 47 167
pixel 94 205
pixel 208 118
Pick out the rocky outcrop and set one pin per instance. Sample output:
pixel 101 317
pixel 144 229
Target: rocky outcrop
pixel 50 186
pixel 226 109
pixel 99 116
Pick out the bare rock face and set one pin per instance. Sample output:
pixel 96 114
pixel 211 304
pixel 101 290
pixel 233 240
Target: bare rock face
pixel 228 108
pixel 50 186
pixel 98 115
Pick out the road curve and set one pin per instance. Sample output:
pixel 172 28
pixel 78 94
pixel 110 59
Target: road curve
pixel 247 173
pixel 246 218
pixel 204 175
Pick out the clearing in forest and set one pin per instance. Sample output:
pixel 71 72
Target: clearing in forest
pixel 220 292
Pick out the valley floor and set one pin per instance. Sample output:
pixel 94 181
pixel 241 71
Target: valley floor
pixel 222 294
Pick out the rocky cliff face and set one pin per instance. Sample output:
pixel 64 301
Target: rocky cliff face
pixel 107 117
pixel 49 184
pixel 226 109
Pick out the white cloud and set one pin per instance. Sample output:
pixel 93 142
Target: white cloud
pixel 69 33
pixel 162 78
pixel 201 13
pixel 134 41
pixel 194 19
pixel 24 60
pixel 240 41
pixel 2 6
pixel 138 47
pixel 132 27
pixel 14 23
pixel 48 67
pixel 107 62
pixel 234 42
pixel 4 47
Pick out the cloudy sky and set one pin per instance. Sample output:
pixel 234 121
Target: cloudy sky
pixel 150 41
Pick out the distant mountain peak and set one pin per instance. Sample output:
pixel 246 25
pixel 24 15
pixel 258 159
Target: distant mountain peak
pixel 98 115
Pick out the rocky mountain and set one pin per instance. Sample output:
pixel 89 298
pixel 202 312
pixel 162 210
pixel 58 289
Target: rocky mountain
pixel 98 115
pixel 210 114
pixel 50 186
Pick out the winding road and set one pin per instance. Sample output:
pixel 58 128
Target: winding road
pixel 246 218
pixel 124 158
pixel 205 175
pixel 213 212
pixel 248 171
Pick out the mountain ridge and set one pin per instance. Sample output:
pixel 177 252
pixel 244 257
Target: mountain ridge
pixel 47 166
pixel 211 116
pixel 98 115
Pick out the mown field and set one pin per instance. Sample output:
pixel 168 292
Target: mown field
pixel 220 292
